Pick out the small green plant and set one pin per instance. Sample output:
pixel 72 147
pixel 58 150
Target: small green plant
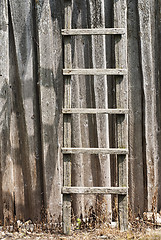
pixel 79 223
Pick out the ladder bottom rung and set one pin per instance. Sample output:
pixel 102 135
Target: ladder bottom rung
pixel 95 190
pixel 94 111
pixel 93 31
pixel 95 71
pixel 121 151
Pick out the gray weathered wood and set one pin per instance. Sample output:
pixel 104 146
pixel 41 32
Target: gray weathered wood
pixel 95 190
pixel 94 71
pixel 94 111
pixel 120 20
pixel 6 165
pixel 94 150
pixel 67 121
pixel 94 31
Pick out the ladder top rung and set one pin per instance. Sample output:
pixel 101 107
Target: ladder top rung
pixel 95 71
pixel 95 190
pixel 121 151
pixel 94 111
pixel 93 31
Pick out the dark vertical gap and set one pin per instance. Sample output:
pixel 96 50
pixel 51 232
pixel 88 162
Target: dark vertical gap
pixel 38 125
pixel 143 122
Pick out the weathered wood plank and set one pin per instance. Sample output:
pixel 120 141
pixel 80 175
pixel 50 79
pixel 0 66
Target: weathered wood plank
pixel 25 124
pixel 94 31
pixel 99 57
pixel 67 120
pixel 120 20
pixel 94 111
pixel 6 165
pixel 48 48
pixel 94 151
pixel 94 190
pixel 94 71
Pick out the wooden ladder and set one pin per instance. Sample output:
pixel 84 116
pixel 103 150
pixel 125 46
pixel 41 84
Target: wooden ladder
pixel 121 78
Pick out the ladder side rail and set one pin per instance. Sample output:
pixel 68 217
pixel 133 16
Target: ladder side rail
pixel 120 21
pixel 67 120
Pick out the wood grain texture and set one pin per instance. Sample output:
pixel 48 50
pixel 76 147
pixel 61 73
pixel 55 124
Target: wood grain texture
pixel 137 193
pixel 6 164
pixel 48 44
pixel 151 105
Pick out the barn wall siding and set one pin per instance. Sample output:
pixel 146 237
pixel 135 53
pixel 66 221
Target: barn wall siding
pixel 31 99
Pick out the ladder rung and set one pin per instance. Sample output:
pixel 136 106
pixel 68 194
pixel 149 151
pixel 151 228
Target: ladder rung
pixel 94 111
pixel 95 190
pixel 95 71
pixel 94 31
pixel 121 151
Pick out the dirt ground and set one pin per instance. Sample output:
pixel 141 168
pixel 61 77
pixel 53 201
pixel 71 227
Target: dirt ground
pixel 137 230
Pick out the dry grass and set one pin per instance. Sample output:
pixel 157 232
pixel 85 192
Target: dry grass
pixel 138 229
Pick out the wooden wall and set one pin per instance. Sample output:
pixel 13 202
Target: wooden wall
pixel 31 99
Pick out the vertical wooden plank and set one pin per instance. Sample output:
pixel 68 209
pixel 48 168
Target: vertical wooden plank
pixel 6 163
pixel 120 20
pixel 137 192
pixel 24 127
pixel 67 121
pixel 102 163
pixel 50 85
